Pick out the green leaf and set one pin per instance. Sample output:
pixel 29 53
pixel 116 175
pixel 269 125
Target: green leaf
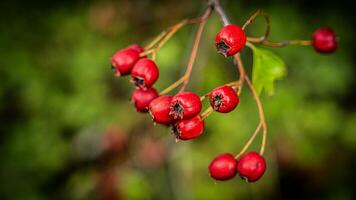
pixel 267 68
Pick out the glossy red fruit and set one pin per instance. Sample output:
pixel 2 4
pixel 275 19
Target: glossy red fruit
pixel 324 40
pixel 185 105
pixel 159 110
pixel 188 128
pixel 223 99
pixel 123 61
pixel 136 47
pixel 144 73
pixel 251 166
pixel 142 98
pixel 230 40
pixel 223 167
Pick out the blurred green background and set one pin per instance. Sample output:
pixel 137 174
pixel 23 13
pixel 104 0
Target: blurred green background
pixel 69 132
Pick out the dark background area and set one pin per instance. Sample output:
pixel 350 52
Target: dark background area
pixel 68 130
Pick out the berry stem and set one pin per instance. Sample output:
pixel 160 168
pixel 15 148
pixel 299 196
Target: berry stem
pixel 185 78
pixel 241 68
pixel 173 86
pixel 279 44
pixel 242 72
pixel 193 55
pixel 165 35
pixel 253 17
pixel 249 142
pixel 263 39
pixel 155 40
pixel 162 41
pixel 261 114
pixel 206 113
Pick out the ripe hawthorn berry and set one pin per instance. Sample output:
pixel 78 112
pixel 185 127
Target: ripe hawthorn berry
pixel 144 73
pixel 142 98
pixel 230 40
pixel 223 99
pixel 223 167
pixel 123 61
pixel 251 166
pixel 324 40
pixel 159 110
pixel 187 129
pixel 185 105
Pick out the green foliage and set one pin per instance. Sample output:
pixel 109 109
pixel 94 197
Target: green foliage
pixel 267 68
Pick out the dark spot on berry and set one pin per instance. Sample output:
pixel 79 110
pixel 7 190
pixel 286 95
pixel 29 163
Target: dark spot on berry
pixel 244 178
pixel 175 130
pixel 138 81
pixel 177 111
pixel 223 48
pixel 218 101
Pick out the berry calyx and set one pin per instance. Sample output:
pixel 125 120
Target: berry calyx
pixel 324 40
pixel 144 73
pixel 223 99
pixel 136 47
pixel 223 167
pixel 142 98
pixel 123 61
pixel 188 128
pixel 230 40
pixel 159 110
pixel 251 166
pixel 185 105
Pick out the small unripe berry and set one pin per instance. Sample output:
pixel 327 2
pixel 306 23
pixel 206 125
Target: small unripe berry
pixel 251 166
pixel 187 129
pixel 123 61
pixel 159 110
pixel 324 40
pixel 185 105
pixel 142 98
pixel 136 47
pixel 223 99
pixel 144 73
pixel 230 40
pixel 223 167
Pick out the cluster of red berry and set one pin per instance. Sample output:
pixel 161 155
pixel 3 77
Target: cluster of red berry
pixel 182 111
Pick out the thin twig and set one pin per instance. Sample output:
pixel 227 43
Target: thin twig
pixel 220 11
pixel 193 55
pixel 268 24
pixel 207 112
pixel 249 142
pixel 172 86
pixel 242 71
pixel 280 44
pixel 260 112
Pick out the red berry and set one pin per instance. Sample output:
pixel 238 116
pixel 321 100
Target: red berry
pixel 324 40
pixel 251 166
pixel 223 99
pixel 145 73
pixel 136 47
pixel 230 40
pixel 159 110
pixel 188 128
pixel 142 98
pixel 123 61
pixel 223 167
pixel 185 105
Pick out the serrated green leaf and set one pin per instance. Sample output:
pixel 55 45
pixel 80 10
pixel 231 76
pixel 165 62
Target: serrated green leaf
pixel 267 68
